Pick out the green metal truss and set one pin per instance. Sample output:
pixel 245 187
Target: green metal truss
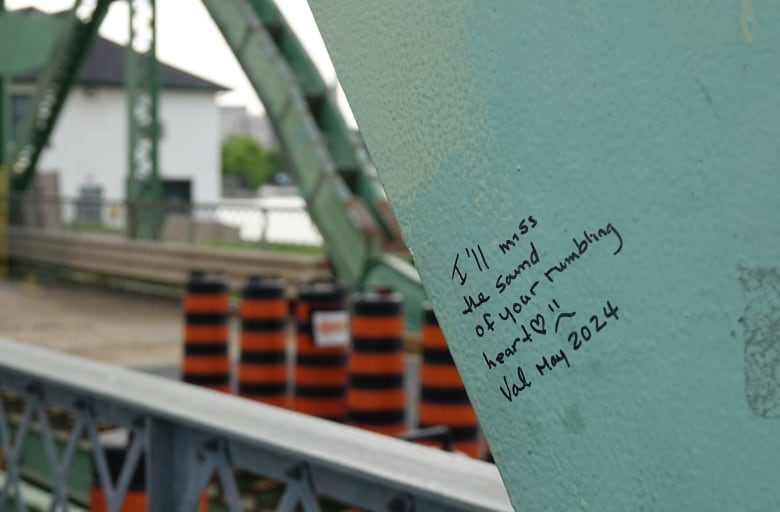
pixel 143 188
pixel 331 166
pixel 55 82
pixel 24 43
pixel 143 185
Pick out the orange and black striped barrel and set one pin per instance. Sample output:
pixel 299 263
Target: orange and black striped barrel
pixel 443 399
pixel 206 362
pixel 135 498
pixel 262 370
pixel 321 355
pixel 376 398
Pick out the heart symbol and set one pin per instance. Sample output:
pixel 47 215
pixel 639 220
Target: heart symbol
pixel 537 324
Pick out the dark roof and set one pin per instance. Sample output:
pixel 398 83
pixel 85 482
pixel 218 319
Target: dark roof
pixel 105 65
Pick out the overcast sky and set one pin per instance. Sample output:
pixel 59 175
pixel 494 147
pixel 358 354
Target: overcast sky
pixel 189 40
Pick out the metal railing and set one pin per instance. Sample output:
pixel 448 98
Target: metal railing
pixel 188 436
pixel 231 223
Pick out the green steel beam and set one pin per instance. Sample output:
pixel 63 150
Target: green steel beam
pixel 591 193
pixel 54 84
pixel 330 165
pixel 339 216
pixel 346 148
pixel 25 42
pixel 143 188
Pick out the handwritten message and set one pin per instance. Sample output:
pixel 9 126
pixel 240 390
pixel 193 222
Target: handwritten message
pixel 512 313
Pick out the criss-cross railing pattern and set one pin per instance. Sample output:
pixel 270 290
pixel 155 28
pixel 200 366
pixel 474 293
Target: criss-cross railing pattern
pixel 212 458
pixel 192 441
pixel 13 435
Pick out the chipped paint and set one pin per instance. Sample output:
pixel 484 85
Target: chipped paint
pixel 761 323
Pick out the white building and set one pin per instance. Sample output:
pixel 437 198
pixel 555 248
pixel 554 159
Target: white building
pixel 88 147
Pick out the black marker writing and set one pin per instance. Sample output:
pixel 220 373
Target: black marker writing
pixel 516 388
pixel 456 269
pixel 479 259
pixel 504 281
pixel 555 359
pixel 581 247
pixel 522 229
pixel 471 304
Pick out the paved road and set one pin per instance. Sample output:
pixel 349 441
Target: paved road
pixel 117 327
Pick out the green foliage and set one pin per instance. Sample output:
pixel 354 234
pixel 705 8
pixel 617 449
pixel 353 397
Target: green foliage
pixel 245 159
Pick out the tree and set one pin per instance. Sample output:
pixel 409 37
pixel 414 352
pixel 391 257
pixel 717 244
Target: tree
pixel 246 160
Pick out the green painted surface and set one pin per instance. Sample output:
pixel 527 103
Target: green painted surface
pixel 650 126
pixel 25 41
pixel 36 470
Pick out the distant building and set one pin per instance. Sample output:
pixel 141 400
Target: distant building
pixel 238 121
pixel 88 148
